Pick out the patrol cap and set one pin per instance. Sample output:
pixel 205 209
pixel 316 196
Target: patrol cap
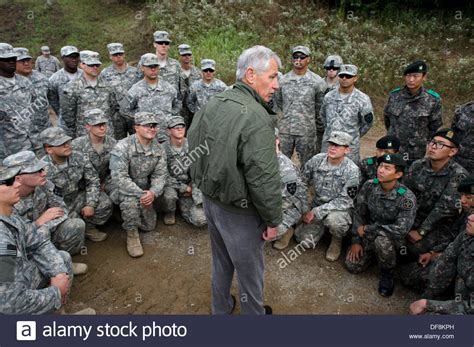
pixel 348 69
pixel 184 49
pixel 89 57
pixel 467 185
pixel 26 161
pixel 45 49
pixel 68 50
pixel 7 173
pixel 149 59
pixel 161 36
pixel 22 52
pixel 333 61
pixel 417 66
pixel 54 136
pixel 174 121
pixel 395 159
pixel 208 64
pixel 388 142
pixel 340 138
pixel 302 49
pixel 95 116
pixel 145 118
pixel 6 51
pixel 115 48
pixel 448 134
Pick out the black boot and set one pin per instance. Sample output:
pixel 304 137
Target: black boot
pixel 386 284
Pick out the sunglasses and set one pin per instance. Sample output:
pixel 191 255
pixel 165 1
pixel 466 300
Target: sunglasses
pixel 299 56
pixel 162 43
pixel 345 76
pixel 93 65
pixel 9 182
pixel 152 66
pixel 150 125
pixel 332 68
pixel 186 55
pixel 208 70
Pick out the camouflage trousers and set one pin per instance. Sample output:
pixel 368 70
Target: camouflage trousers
pixel 291 216
pixel 338 223
pixel 438 239
pixel 303 145
pixel 102 211
pixel 135 216
pixel 69 236
pixel 319 142
pixel 122 126
pixel 383 249
pixel 191 213
pixel 414 275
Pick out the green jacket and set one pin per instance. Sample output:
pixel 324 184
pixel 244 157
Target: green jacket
pixel 232 149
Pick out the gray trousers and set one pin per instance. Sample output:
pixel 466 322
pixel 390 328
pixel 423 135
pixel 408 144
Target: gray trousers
pixel 236 244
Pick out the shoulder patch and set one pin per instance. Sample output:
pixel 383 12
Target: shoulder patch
pixel 401 191
pixel 407 203
pixel 432 92
pixel 352 191
pixel 395 90
pixel 375 181
pixel 459 178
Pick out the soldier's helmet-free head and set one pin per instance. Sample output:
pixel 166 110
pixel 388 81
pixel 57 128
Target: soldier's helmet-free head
pixel 394 159
pixel 388 142
pixel 184 49
pixel 26 161
pixel 448 134
pixel 68 50
pixel 22 52
pixel 208 64
pixel 174 121
pixel 301 49
pixel 161 36
pixel 416 66
pixel 145 118
pixel 333 61
pixel 149 59
pixel 90 57
pixel 340 138
pixel 348 69
pixel 115 48
pixel 54 136
pixel 45 50
pixel 6 51
pixel 95 116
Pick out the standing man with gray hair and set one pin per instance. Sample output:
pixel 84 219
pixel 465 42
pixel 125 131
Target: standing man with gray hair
pixel 240 180
pixel 46 63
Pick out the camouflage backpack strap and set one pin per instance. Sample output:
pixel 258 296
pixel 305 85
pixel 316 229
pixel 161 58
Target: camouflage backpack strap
pixel 432 92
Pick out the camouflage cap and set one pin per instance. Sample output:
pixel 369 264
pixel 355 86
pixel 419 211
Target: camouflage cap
pixel 388 142
pixel 8 173
pixel 25 160
pixel 208 64
pixel 45 49
pixel 145 118
pixel 161 36
pixel 68 50
pixel 89 57
pixel 467 185
pixel 54 136
pixel 302 49
pixel 184 49
pixel 348 69
pixel 340 138
pixel 22 52
pixel 149 59
pixel 448 134
pixel 174 121
pixel 333 61
pixel 95 116
pixel 416 66
pixel 115 48
pixel 6 51
pixel 395 159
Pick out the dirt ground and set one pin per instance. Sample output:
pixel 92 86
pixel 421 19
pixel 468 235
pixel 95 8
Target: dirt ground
pixel 173 277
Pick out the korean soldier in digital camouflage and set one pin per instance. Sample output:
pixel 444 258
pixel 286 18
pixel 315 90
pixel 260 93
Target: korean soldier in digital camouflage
pixel 384 213
pixel 46 63
pixel 139 168
pixel 463 126
pixel 335 180
pixel 368 166
pixel 413 113
pixel 179 190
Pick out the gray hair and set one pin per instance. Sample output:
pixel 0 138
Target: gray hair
pixel 257 57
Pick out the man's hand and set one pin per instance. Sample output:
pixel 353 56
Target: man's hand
pixel 88 211
pixel 270 234
pixel 189 191
pixel 355 252
pixel 418 307
pixel 49 215
pixel 308 217
pixel 61 281
pixel 147 198
pixel 413 236
pixel 424 259
pixel 361 230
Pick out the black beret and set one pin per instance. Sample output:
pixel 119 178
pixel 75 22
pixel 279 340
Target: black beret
pixel 417 66
pixel 448 134
pixel 395 159
pixel 467 185
pixel 388 142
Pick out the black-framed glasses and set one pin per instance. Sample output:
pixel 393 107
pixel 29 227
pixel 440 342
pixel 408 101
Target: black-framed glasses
pixel 162 43
pixel 150 125
pixel 438 144
pixel 9 182
pixel 345 76
pixel 299 56
pixel 208 70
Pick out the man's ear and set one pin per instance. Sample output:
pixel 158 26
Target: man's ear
pixel 250 75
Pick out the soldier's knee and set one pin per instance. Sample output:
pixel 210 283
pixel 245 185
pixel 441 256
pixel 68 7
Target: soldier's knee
pixel 67 260
pixel 353 268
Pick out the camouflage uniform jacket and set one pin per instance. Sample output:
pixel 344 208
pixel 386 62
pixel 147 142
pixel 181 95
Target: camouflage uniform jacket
pixel 413 119
pixel 392 212
pixel 40 82
pixel 47 66
pixel 200 93
pixel 171 73
pixel 330 87
pixel 22 249
pixel 187 81
pixel 368 169
pixel 463 126
pixel 135 168
pixel 77 175
pixel 300 100
pixel 436 193
pixel 56 84
pixel 121 81
pixel 293 189
pixel 335 187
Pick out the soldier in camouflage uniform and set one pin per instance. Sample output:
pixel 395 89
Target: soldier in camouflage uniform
pixel 21 107
pixel 96 147
pixel 152 94
pixel 412 113
pixel 299 97
pixel 463 125
pixel 384 213
pixel 70 57
pixel 46 63
pixel 201 91
pixel 138 166
pixel 121 77
pixel 347 109
pixel 34 276
pixel 170 69
pixel 435 180
pixel 332 65
pixel 179 188
pixel 368 166
pixel 85 93
pixel 456 263
pixel 75 180
pixel 335 179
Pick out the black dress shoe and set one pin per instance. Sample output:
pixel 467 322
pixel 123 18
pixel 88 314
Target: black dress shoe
pixel 234 302
pixel 268 310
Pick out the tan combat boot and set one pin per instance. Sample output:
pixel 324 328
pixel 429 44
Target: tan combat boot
pixel 169 218
pixel 79 268
pixel 95 235
pixel 334 250
pixel 86 312
pixel 134 247
pixel 283 242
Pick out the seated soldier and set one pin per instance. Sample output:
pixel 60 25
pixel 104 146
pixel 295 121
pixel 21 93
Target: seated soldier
pixel 138 166
pixel 75 180
pixel 335 179
pixel 384 213
pixel 179 188
pixel 456 263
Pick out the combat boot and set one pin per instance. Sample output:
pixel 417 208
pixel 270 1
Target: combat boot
pixel 95 235
pixel 86 312
pixel 79 268
pixel 134 247
pixel 386 283
pixel 334 250
pixel 169 218
pixel 283 242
